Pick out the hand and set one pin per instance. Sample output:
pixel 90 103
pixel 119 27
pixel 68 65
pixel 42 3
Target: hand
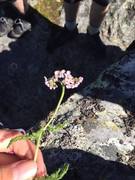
pixel 16 162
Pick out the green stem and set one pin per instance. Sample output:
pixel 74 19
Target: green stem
pixel 57 108
pixel 49 122
pixel 37 146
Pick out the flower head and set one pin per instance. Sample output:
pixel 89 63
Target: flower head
pixel 51 83
pixel 65 78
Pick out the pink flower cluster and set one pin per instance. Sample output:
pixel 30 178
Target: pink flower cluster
pixel 65 78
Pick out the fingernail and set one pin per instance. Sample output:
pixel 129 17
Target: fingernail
pixel 24 170
pixel 21 130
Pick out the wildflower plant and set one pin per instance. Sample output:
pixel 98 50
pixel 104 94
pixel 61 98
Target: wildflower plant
pixel 65 80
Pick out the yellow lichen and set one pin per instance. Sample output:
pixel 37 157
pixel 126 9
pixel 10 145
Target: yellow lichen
pixel 50 9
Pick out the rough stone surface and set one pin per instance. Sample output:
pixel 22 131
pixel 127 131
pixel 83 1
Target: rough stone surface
pixel 100 120
pixel 119 24
pixel 102 113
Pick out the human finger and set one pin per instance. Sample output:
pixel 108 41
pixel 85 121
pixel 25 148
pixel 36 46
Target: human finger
pixel 24 149
pixel 5 136
pixel 6 159
pixel 22 170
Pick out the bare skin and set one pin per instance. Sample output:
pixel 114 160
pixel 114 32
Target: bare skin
pixel 21 6
pixel 16 162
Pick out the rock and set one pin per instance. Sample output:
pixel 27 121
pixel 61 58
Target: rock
pixel 100 119
pixel 116 29
pixel 84 166
pixel 119 24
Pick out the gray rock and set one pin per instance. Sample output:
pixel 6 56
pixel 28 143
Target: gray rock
pixel 100 120
pixel 119 24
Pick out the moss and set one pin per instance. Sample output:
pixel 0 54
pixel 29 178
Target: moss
pixel 50 9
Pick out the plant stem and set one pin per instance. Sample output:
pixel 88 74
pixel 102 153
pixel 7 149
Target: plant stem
pixel 57 108
pixel 37 146
pixel 49 122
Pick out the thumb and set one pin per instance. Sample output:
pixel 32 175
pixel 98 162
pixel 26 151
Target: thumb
pixel 22 170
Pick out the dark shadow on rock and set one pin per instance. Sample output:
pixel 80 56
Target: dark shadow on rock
pixel 86 166
pixel 24 99
pixel 120 89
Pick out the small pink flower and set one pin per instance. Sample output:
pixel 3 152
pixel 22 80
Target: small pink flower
pixel 64 77
pixel 51 83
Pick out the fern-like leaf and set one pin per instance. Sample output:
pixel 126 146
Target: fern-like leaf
pixel 58 174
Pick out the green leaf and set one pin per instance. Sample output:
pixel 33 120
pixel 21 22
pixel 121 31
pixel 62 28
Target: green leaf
pixel 18 138
pixel 57 175
pixel 31 136
pixel 34 135
pixel 58 127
